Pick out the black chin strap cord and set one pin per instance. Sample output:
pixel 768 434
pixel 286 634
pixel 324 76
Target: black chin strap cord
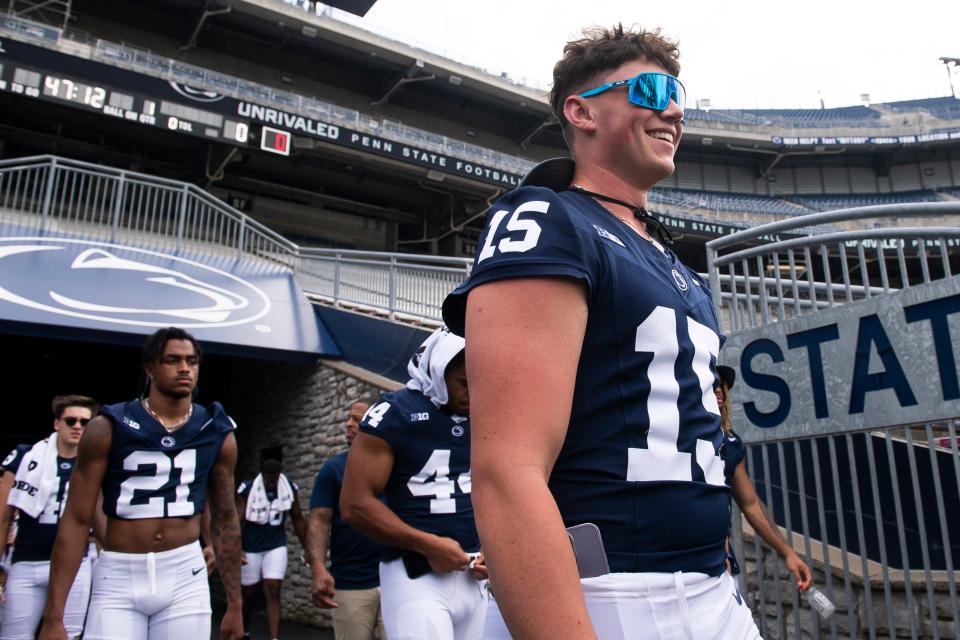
pixel 644 216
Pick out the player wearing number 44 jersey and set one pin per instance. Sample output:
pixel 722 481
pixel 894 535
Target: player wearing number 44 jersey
pixel 591 356
pixel 153 458
pixel 414 449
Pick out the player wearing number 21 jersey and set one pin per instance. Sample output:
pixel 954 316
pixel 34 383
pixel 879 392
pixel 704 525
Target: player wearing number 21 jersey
pixel 414 449
pixel 154 459
pixel 591 357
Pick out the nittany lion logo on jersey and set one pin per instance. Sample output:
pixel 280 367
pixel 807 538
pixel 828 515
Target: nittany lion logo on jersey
pixel 117 284
pixel 168 441
pixel 679 280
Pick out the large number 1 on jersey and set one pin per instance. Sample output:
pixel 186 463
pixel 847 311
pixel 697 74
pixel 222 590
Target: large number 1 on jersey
pixel 662 459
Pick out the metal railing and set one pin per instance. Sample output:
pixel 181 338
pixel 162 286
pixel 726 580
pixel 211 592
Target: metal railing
pixel 817 268
pixel 127 57
pixel 109 204
pixel 47 194
pixel 873 512
pixel 402 284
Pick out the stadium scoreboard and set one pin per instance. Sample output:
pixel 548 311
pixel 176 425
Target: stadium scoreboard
pixel 51 76
pixel 110 94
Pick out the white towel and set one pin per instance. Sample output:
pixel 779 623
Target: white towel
pixel 259 508
pixel 429 363
pixel 36 477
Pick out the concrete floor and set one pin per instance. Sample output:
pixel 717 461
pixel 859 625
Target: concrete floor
pixel 288 630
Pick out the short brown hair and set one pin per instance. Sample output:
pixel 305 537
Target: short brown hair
pixel 60 404
pixel 585 60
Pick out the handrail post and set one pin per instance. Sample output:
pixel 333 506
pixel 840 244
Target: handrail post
pixel 48 192
pixel 336 277
pixel 393 287
pixel 714 278
pixel 118 205
pixel 241 237
pixel 182 214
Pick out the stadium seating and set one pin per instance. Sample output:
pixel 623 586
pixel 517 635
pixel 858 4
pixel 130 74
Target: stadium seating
pixel 856 116
pixel 727 202
pixel 828 202
pixel 706 205
pixel 946 107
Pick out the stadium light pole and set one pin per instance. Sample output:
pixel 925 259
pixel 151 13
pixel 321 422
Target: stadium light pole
pixel 946 63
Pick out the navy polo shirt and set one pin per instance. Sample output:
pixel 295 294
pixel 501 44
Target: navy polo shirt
pixel 354 559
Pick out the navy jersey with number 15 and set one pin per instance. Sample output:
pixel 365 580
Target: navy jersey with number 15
pixel 641 454
pixel 429 486
pixel 152 473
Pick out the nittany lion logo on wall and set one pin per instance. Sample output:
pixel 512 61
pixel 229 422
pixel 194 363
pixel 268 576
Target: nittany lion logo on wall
pixel 117 284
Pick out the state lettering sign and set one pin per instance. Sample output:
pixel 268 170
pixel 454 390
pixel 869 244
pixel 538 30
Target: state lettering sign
pixel 881 362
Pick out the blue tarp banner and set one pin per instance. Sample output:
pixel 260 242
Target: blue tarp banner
pixel 246 305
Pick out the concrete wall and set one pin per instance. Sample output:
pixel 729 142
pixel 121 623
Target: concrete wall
pixel 300 408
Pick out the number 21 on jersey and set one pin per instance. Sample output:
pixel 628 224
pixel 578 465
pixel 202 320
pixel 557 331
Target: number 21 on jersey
pixel 157 506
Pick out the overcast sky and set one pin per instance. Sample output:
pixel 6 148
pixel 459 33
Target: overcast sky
pixel 738 53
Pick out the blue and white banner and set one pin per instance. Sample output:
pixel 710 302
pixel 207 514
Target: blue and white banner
pixel 916 138
pixel 887 361
pixel 240 303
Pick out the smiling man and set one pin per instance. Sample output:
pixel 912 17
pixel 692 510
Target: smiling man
pixel 153 457
pixel 591 353
pixel 38 479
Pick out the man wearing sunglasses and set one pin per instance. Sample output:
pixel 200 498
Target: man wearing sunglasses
pixel 37 478
pixel 591 353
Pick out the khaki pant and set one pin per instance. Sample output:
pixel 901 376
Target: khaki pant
pixel 358 615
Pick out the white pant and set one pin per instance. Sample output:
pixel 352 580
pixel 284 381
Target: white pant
pixel 150 596
pixel 264 565
pixel 432 607
pixel 27 593
pixel 657 606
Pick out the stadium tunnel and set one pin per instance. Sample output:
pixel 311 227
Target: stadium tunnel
pixel 249 380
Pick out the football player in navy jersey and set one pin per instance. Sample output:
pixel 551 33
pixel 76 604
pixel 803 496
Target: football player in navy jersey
pixel 38 479
pixel 156 460
pixel 263 504
pixel 414 449
pixel 591 353
pixel 734 454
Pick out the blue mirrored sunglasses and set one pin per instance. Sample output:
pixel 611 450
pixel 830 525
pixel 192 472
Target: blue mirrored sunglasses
pixel 648 90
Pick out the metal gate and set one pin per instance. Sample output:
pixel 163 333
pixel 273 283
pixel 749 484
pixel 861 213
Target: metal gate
pixel 875 511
